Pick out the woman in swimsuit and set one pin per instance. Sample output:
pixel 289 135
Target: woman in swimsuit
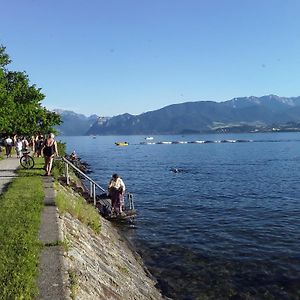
pixel 49 150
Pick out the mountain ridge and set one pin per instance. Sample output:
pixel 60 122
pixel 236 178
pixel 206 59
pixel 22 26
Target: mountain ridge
pixel 73 123
pixel 238 114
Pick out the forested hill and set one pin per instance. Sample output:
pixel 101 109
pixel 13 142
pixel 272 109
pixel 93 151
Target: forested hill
pixel 237 115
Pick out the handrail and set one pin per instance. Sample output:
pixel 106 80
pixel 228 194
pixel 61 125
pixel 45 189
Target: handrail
pixel 93 184
pixel 83 174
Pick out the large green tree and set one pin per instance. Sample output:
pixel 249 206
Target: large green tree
pixel 21 111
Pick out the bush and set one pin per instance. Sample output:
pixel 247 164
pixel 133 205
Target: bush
pixel 58 168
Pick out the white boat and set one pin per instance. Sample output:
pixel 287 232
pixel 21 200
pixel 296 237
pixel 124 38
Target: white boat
pixel 147 143
pixel 149 138
pixel 199 142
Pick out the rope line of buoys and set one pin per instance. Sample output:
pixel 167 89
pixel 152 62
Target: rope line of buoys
pixel 195 142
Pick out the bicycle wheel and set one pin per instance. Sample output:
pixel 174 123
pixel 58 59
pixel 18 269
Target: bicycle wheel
pixel 27 162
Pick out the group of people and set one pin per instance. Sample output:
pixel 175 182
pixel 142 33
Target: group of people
pixel 20 144
pixel 46 147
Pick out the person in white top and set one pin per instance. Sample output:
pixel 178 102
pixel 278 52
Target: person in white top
pixel 8 146
pixel 19 146
pixel 116 191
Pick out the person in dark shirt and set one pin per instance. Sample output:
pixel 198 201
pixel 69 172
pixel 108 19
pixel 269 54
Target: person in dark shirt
pixel 49 150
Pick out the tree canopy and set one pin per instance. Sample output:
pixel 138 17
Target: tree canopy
pixel 21 111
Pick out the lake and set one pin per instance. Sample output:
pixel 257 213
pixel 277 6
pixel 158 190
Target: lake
pixel 225 224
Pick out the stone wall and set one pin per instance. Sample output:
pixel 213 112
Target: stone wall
pixel 102 265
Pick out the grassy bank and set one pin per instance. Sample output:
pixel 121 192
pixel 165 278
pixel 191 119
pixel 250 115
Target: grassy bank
pixel 73 203
pixel 20 212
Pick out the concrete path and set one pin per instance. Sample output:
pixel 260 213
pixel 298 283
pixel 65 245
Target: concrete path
pixel 8 167
pixel 51 281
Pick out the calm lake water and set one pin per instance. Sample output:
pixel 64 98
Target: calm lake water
pixel 226 226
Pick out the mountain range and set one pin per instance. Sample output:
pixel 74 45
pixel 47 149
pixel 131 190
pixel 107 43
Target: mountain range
pixel 73 123
pixel 243 114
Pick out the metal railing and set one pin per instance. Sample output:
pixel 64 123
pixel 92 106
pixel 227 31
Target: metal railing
pixel 93 184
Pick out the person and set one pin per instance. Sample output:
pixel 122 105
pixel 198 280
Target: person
pixel 8 146
pixel 38 145
pixel 32 143
pixel 19 147
pixel 116 191
pixel 73 155
pixel 25 144
pixel 49 150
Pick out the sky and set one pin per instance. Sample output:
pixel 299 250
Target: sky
pixel 109 57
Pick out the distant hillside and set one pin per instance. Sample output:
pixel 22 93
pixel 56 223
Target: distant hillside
pixel 236 115
pixel 73 123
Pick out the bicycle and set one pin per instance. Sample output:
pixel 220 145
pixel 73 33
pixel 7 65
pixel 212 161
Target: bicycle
pixel 26 161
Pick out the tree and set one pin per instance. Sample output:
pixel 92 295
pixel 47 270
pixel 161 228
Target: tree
pixel 21 111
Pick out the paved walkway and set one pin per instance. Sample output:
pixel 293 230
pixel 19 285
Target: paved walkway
pixel 8 167
pixel 50 281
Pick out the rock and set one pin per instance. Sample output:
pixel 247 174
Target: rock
pixel 105 266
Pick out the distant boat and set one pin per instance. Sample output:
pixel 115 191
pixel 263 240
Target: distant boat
pixel 147 143
pixel 149 138
pixel 121 144
pixel 164 143
pixel 198 142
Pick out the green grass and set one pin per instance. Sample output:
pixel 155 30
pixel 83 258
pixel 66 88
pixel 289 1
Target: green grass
pixel 20 213
pixel 77 207
pixel 2 152
pixel 73 282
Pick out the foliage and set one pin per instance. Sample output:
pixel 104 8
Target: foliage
pixel 21 112
pixel 1 152
pixel 58 165
pixel 61 148
pixel 20 215
pixel 78 208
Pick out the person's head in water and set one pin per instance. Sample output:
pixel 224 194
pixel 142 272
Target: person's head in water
pixel 115 176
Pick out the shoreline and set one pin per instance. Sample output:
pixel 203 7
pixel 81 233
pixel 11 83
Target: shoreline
pixel 104 265
pixel 127 264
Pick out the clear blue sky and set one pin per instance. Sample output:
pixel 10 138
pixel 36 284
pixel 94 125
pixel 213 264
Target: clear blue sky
pixel 115 56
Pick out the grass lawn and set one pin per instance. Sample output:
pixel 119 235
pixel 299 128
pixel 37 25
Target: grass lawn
pixel 20 213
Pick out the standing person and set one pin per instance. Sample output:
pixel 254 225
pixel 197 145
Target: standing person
pixel 116 190
pixel 49 150
pixel 38 145
pixel 19 147
pixel 32 143
pixel 8 146
pixel 25 144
